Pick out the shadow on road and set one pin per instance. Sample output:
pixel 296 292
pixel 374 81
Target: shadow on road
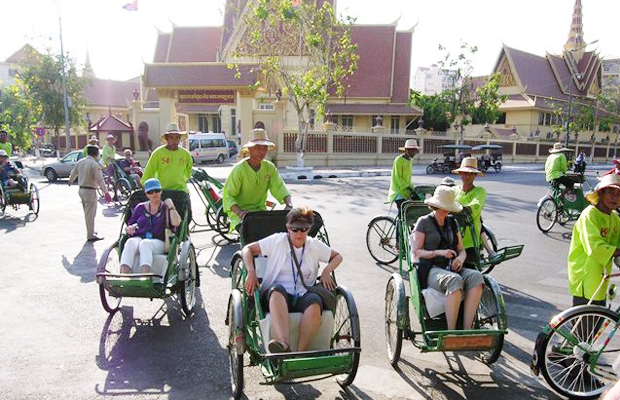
pixel 84 264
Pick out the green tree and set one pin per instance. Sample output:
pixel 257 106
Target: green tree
pixel 18 116
pixel 41 79
pixel 437 110
pixel 301 48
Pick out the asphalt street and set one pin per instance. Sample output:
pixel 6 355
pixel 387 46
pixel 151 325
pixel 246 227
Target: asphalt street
pixel 56 340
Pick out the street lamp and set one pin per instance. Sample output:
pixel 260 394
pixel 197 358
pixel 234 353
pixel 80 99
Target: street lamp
pixel 65 100
pixel 570 91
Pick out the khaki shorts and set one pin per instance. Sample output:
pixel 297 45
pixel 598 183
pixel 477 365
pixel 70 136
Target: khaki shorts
pixel 448 282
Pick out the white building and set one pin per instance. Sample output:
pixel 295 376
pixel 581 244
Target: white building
pixel 432 80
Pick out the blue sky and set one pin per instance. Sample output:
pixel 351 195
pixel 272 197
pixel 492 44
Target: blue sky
pixel 118 41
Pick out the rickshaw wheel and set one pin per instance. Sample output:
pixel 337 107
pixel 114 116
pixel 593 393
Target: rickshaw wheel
pixel 547 215
pixel 112 265
pixel 393 334
pixel 211 216
pixel 236 360
pixel 565 363
pixel 381 239
pixel 223 227
pixel 188 264
pixel 235 273
pixel 346 332
pixel 122 191
pixel 34 199
pixel 488 317
pixel 2 201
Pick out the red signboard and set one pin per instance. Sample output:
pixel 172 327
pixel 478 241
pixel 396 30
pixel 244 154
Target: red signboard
pixel 207 96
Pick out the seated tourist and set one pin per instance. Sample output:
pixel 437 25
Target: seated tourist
pixel 146 227
pixel 131 167
pixel 10 176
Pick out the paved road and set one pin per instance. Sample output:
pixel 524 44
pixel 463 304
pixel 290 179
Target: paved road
pixel 57 342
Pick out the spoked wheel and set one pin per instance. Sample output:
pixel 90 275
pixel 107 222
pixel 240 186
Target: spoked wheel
pixel 575 359
pixel 110 303
pixel 493 242
pixel 498 167
pixel 223 227
pixel 2 202
pixel 211 215
pixel 393 334
pixel 491 315
pixel 346 333
pixel 430 170
pixel 547 215
pixel 122 191
pixel 34 199
pixel 235 273
pixel 235 359
pixel 188 265
pixel 381 239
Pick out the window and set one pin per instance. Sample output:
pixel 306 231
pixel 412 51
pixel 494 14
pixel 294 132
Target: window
pixel 233 121
pixel 394 124
pixel 193 144
pixel 203 123
pixel 346 122
pixel 217 126
pixel 266 106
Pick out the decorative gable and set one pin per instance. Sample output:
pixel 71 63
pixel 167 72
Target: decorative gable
pixel 505 73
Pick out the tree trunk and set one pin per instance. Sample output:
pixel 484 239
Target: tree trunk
pixel 301 141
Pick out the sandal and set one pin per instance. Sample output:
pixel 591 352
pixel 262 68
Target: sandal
pixel 276 346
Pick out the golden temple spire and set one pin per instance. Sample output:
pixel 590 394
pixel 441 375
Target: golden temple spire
pixel 575 43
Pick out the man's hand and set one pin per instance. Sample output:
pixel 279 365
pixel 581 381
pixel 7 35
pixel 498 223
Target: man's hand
pixel 251 281
pixel 108 198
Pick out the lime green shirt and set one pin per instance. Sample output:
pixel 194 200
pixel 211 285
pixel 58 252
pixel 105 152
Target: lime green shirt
pixel 107 152
pixel 6 146
pixel 596 236
pixel 400 185
pixel 248 188
pixel 474 199
pixel 172 168
pixel 555 166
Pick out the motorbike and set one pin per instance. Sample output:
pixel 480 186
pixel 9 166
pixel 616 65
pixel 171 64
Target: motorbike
pixel 437 167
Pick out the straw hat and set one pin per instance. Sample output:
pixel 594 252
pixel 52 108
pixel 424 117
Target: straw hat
pixel 610 180
pixel 558 147
pixel 110 136
pixel 93 138
pixel 444 198
pixel 410 144
pixel 172 127
pixel 469 164
pixel 259 137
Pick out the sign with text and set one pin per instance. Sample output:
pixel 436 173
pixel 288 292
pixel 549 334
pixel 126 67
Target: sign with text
pixel 206 96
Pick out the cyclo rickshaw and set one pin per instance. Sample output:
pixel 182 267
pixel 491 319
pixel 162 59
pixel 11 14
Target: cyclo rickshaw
pixel 427 329
pixel 488 161
pixel 449 162
pixel 21 194
pixel 174 273
pixel 335 349
pixel 561 205
pixel 120 183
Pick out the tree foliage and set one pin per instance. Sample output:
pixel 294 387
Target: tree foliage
pixel 468 100
pixel 301 48
pixel 41 82
pixel 18 115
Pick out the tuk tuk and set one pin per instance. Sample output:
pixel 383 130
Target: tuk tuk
pixel 450 160
pixel 491 158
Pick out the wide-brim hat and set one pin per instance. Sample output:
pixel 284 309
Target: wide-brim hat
pixel 469 164
pixel 3 153
pixel 93 138
pixel 172 127
pixel 558 147
pixel 609 180
pixel 445 199
pixel 259 137
pixel 410 144
pixel 110 136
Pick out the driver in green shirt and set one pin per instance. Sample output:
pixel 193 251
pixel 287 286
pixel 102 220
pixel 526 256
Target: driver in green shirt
pixel 248 183
pixel 595 241
pixel 400 184
pixel 556 166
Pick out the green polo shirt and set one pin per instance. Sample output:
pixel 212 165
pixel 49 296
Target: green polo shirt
pixel 596 236
pixel 172 168
pixel 8 147
pixel 248 188
pixel 400 184
pixel 474 199
pixel 555 166
pixel 107 152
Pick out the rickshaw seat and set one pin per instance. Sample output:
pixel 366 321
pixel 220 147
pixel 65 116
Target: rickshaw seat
pixel 178 198
pixel 160 264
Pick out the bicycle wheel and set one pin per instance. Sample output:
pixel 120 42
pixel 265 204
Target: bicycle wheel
pixel 381 239
pixel 575 357
pixel 547 215
pixel 393 334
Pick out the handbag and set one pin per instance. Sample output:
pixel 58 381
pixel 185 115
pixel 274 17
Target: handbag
pixel 168 234
pixel 327 296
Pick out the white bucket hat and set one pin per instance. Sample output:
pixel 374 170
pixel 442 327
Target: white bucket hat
pixel 410 144
pixel 172 127
pixel 558 147
pixel 469 164
pixel 259 137
pixel 610 180
pixel 444 198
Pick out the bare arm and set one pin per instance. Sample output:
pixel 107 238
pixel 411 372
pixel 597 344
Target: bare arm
pixel 247 254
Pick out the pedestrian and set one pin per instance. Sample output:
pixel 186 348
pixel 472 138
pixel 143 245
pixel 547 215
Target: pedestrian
pixel 169 163
pixel 88 172
pixel 4 143
pixel 92 141
pixel 401 188
pixel 249 181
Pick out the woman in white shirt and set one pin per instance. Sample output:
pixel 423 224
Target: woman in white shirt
pixel 282 289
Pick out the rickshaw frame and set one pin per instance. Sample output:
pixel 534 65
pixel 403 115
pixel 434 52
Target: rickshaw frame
pixel 15 197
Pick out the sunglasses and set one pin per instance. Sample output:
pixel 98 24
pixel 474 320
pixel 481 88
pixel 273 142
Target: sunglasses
pixel 299 229
pixel 153 191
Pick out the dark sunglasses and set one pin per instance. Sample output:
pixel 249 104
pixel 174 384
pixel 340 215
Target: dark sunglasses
pixel 153 191
pixel 299 229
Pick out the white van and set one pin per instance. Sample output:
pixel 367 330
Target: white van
pixel 208 147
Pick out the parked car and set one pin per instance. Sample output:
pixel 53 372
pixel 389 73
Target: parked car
pixel 232 148
pixel 208 147
pixel 62 168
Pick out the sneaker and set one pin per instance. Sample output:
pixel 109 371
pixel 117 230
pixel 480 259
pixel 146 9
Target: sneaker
pixel 276 346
